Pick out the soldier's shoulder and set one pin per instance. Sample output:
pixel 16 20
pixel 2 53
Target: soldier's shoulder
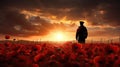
pixel 84 26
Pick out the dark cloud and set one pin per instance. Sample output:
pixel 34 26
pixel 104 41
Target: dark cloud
pixel 97 12
pixel 14 23
pixel 78 9
pixel 105 32
pixel 112 15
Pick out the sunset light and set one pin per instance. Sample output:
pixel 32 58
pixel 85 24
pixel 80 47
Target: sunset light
pixel 59 36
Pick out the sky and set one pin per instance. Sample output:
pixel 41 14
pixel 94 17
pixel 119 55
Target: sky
pixel 44 19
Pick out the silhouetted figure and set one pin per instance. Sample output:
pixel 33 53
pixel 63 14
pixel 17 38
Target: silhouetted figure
pixel 81 33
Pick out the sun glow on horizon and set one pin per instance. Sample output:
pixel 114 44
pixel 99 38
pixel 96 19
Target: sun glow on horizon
pixel 59 36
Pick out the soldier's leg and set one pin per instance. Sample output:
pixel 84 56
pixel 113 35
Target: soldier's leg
pixel 82 41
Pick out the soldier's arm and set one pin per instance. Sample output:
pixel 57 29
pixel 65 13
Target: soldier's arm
pixel 77 33
pixel 86 33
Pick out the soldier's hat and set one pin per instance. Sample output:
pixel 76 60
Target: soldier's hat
pixel 81 22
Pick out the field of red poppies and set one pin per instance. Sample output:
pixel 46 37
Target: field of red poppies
pixel 68 54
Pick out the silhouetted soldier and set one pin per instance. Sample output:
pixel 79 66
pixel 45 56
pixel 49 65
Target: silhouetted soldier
pixel 81 33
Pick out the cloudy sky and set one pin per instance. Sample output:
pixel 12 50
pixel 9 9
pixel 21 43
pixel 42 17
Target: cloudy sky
pixel 40 19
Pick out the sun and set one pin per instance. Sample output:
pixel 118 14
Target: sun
pixel 59 36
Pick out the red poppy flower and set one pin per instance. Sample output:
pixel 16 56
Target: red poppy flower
pixel 38 47
pixel 115 48
pixel 38 57
pixel 7 37
pixel 35 65
pixel 99 61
